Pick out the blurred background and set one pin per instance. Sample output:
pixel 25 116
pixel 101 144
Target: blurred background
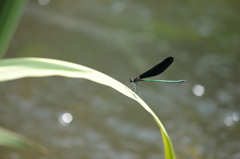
pixel 76 118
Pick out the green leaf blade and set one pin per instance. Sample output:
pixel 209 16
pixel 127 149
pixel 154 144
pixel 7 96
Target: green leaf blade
pixel 11 139
pixel 11 69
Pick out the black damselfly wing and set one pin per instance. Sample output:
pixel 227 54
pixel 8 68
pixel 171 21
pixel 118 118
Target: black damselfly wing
pixel 158 69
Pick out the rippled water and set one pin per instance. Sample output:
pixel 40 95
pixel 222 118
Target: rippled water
pixel 124 39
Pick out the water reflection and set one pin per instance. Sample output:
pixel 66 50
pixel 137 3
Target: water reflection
pixel 235 116
pixel 65 118
pixel 43 2
pixel 118 6
pixel 228 121
pixel 231 119
pixel 198 90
